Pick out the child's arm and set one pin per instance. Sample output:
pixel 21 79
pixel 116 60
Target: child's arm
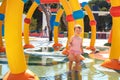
pixel 70 42
pixel 81 46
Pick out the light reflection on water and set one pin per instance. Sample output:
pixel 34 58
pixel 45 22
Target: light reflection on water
pixel 55 67
pixel 3 69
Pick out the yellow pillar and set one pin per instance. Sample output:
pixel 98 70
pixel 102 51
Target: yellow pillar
pixel 2 12
pixel 56 34
pixel 114 62
pixel 13 36
pixel 56 44
pixel 115 47
pixel 93 26
pixel 57 20
pixel 75 5
pixel 13 39
pixel 69 17
pixel 26 25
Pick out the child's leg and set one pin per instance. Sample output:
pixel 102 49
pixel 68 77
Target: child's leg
pixel 70 65
pixel 71 59
pixel 77 62
pixel 77 66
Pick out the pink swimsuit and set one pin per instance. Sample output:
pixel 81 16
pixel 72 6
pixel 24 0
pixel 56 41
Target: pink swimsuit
pixel 75 45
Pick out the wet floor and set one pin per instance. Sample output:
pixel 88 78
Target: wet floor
pixel 50 65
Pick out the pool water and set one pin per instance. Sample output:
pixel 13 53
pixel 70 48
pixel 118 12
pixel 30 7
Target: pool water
pixel 50 65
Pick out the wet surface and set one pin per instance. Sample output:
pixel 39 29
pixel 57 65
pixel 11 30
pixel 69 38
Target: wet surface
pixel 50 65
pixel 56 68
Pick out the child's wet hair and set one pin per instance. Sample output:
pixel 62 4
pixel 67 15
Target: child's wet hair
pixel 77 26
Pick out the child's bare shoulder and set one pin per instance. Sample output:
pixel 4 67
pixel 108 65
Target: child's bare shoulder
pixel 72 37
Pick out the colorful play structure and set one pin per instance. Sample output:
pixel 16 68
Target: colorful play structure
pixel 12 10
pixel 2 12
pixel 74 15
pixel 113 61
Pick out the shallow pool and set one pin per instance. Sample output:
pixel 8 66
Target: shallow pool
pixel 50 65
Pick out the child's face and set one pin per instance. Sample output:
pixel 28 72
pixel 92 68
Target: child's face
pixel 77 31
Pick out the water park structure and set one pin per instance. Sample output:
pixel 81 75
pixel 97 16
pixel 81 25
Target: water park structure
pixel 74 15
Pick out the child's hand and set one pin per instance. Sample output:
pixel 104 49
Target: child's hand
pixel 82 52
pixel 69 45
